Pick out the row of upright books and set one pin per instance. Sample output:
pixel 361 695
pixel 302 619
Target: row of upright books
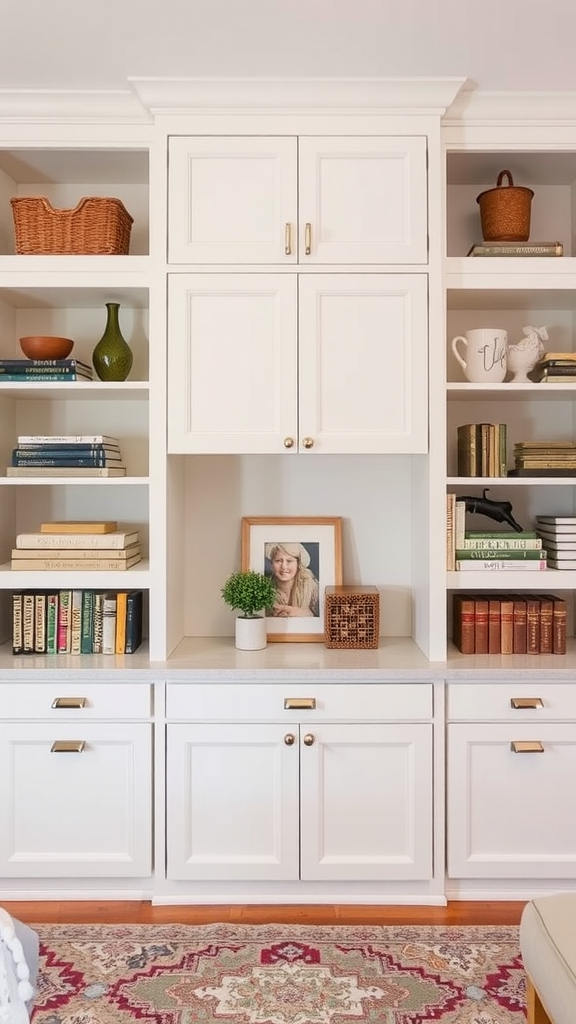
pixel 76 621
pixel 508 623
pixel 73 546
pixel 67 455
pixel 44 370
pixel 481 449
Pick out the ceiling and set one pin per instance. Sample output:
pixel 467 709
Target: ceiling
pixel 499 45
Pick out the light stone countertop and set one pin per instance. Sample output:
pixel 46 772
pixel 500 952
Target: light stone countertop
pixel 215 659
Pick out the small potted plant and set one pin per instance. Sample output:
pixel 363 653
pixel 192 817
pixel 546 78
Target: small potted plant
pixel 250 593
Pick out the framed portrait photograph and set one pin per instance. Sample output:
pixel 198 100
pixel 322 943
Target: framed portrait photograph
pixel 302 556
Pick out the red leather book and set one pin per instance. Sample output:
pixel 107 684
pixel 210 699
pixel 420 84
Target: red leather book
pixel 532 624
pixel 481 625
pixel 519 624
pixel 463 622
pixel 494 626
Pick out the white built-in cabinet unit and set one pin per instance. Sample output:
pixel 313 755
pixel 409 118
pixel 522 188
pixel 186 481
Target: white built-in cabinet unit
pixel 297 270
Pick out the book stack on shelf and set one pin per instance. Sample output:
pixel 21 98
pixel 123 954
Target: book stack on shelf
pixel 494 550
pixel 558 533
pixel 44 370
pixel 73 546
pixel 556 368
pixel 76 621
pixel 507 623
pixel 544 458
pixel 481 449
pixel 65 455
pixel 516 249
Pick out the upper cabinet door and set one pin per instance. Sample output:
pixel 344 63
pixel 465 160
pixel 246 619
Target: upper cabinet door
pixel 363 363
pixel 363 200
pixel 232 348
pixel 232 200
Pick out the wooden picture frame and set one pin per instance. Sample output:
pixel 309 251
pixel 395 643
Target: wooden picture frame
pixel 307 553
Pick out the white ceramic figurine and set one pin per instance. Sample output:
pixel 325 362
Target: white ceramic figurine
pixel 522 358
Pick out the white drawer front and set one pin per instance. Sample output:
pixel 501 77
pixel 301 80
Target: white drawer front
pixel 77 700
pixel 523 701
pixel 348 702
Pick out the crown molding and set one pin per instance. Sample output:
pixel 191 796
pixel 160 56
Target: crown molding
pixel 57 105
pixel 511 108
pixel 197 95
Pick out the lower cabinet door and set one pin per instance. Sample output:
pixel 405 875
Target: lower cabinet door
pixel 75 800
pixel 366 802
pixel 511 801
pixel 232 802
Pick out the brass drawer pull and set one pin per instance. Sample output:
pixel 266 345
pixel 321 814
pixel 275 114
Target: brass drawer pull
pixel 67 747
pixel 526 747
pixel 69 702
pixel 524 703
pixel 288 239
pixel 308 239
pixel 300 703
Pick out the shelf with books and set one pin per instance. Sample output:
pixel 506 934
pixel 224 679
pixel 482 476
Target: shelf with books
pixel 125 390
pixel 109 579
pixel 509 392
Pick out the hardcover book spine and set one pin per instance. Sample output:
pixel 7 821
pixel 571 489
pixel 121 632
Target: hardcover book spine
pixel 40 623
pixel 506 625
pixel 109 623
pixel 519 554
pixel 98 622
pixel 519 626
pixel 120 642
pixel 73 540
pixel 481 625
pixel 463 622
pixel 28 623
pixel 450 538
pixel 17 643
pixel 546 614
pixel 76 622
pixel 64 623
pixel 87 622
pixel 52 605
pixel 488 544
pixel 494 628
pixel 532 625
pixel 559 626
pixel 133 621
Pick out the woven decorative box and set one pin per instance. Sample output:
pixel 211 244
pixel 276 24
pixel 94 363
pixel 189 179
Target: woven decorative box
pixel 97 225
pixel 351 617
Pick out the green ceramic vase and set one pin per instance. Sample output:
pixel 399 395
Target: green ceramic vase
pixel 112 357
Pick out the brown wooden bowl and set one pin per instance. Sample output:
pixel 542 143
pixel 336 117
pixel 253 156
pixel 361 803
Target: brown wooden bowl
pixel 40 346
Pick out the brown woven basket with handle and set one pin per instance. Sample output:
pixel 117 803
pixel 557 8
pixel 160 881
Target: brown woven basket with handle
pixel 97 225
pixel 505 211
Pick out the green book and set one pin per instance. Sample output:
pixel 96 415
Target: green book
pixel 501 534
pixel 87 619
pixel 52 623
pixel 500 553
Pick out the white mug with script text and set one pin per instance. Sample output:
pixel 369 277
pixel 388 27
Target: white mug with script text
pixel 485 354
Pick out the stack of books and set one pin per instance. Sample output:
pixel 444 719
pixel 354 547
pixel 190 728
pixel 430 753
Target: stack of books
pixel 44 370
pixel 516 249
pixel 66 455
pixel 558 534
pixel 74 546
pixel 493 550
pixel 556 368
pixel 506 623
pixel 76 621
pixel 482 449
pixel 544 458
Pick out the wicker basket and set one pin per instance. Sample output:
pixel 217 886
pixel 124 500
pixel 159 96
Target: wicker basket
pixel 505 211
pixel 352 617
pixel 95 226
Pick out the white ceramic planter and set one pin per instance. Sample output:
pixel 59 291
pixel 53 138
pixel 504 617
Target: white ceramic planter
pixel 250 633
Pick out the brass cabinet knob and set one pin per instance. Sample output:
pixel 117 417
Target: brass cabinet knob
pixel 288 442
pixel 308 739
pixel 307 442
pixel 289 739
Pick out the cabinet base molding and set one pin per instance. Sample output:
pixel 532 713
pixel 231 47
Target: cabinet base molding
pixel 491 891
pixel 50 894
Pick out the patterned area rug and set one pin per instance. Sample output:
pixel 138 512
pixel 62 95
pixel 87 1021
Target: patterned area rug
pixel 279 974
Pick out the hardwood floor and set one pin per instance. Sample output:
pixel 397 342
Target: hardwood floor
pixel 120 912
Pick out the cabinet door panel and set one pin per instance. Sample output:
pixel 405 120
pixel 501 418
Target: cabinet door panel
pixel 232 363
pixel 232 200
pixel 363 363
pixel 364 199
pixel 367 802
pixel 75 815
pixel 232 802
pixel 508 812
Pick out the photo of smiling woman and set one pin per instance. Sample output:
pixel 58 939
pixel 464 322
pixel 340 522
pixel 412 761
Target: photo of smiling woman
pixel 289 566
